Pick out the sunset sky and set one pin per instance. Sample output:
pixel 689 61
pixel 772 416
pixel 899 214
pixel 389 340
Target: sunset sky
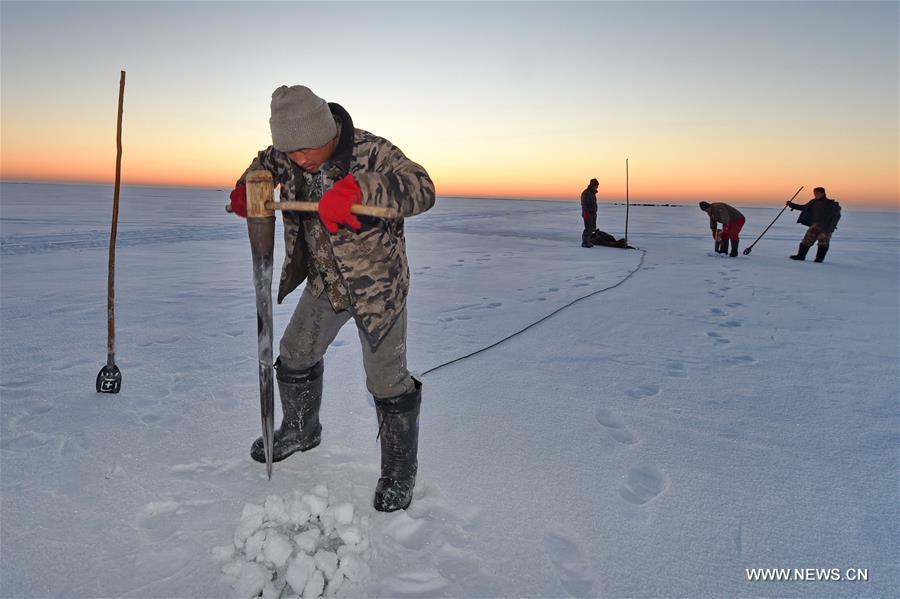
pixel 734 101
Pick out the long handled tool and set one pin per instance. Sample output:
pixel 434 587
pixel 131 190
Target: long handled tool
pixel 750 249
pixel 109 379
pixel 261 228
pixel 627 202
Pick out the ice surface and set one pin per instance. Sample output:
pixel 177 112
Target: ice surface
pixel 707 416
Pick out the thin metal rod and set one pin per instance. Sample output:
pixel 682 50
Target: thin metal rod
pixel 111 284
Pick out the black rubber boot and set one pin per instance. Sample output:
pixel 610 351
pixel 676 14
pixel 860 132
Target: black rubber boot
pixel 801 253
pixel 723 246
pixel 820 253
pixel 398 424
pixel 587 244
pixel 734 247
pixel 301 397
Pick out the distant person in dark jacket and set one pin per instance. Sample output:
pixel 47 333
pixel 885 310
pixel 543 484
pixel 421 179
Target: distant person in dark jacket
pixel 732 222
pixel 821 215
pixel 589 212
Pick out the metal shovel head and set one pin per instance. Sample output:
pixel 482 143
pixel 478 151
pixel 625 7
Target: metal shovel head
pixel 109 380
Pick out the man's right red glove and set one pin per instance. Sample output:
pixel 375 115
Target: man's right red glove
pixel 239 200
pixel 335 205
pixel 585 215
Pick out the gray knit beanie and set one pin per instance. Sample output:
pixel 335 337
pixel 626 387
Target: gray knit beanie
pixel 300 119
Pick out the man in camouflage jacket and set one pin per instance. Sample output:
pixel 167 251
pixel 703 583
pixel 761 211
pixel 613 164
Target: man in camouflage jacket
pixel 353 268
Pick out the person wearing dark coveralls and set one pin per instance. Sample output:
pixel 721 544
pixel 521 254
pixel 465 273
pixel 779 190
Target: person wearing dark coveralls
pixel 589 212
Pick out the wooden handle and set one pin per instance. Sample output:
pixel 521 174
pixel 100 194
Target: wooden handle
pixel 361 209
pixel 259 194
pixel 260 189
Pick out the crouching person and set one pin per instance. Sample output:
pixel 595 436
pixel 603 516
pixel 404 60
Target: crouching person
pixel 354 268
pixel 732 222
pixel 821 215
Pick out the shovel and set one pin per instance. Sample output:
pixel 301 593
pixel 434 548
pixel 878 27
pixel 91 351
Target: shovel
pixel 261 209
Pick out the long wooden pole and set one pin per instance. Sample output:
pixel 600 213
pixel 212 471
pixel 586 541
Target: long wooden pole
pixel 111 284
pixel 627 200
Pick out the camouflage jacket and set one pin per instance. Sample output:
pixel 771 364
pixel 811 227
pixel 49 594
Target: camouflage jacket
pixel 372 261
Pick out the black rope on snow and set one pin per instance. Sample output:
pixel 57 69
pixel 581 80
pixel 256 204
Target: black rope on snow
pixel 537 322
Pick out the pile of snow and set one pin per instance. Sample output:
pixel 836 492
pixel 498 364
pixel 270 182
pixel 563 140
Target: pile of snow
pixel 299 545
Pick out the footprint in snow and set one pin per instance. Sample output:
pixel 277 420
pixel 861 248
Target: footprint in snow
pixel 616 426
pixel 643 483
pixel 717 337
pixel 717 311
pixel 452 318
pixel 643 391
pixel 734 305
pixel 569 558
pixel 676 370
pixel 412 533
pixel 427 582
pixel 739 361
pixel 159 520
pixel 730 324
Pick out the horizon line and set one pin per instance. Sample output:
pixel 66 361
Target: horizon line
pixel 869 206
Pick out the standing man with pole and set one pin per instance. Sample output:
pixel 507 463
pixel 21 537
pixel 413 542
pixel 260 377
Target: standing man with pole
pixel 589 212
pixel 821 215
pixel 354 268
pixel 109 379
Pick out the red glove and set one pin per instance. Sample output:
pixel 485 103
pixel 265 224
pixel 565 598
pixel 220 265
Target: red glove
pixel 334 207
pixel 585 215
pixel 239 200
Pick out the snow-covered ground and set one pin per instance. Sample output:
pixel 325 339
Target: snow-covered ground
pixel 707 416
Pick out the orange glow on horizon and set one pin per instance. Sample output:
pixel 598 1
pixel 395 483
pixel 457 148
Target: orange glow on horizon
pixel 209 157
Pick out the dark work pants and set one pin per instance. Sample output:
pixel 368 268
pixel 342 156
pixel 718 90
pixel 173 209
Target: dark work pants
pixel 590 223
